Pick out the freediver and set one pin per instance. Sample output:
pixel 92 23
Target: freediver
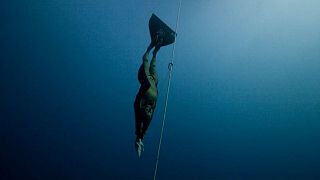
pixel 146 99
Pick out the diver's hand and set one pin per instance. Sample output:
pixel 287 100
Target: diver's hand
pixel 139 147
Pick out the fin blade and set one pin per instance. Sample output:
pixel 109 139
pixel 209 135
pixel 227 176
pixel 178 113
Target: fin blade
pixel 155 25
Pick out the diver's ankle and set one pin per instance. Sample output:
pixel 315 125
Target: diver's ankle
pixel 150 47
pixel 155 51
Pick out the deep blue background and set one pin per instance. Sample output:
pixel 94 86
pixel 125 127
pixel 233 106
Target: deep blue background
pixel 244 102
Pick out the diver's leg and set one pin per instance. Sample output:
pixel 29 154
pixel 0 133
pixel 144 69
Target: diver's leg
pixel 157 45
pixel 146 54
pixel 144 68
pixel 153 64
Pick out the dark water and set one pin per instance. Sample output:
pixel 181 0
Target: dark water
pixel 244 101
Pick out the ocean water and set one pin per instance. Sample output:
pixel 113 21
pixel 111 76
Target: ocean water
pixel 244 101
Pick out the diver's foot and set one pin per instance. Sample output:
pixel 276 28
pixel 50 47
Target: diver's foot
pixel 151 45
pixel 139 146
pixel 156 49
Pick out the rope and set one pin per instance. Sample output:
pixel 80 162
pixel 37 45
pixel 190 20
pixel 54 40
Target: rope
pixel 170 67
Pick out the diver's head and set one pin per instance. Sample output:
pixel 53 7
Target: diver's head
pixel 148 111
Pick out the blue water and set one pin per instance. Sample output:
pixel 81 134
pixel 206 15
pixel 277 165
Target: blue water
pixel 244 101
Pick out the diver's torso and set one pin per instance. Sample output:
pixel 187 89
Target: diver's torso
pixel 151 94
pixel 148 96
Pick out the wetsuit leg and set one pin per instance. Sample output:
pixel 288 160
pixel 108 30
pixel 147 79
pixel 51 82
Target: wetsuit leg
pixel 153 64
pixel 144 68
